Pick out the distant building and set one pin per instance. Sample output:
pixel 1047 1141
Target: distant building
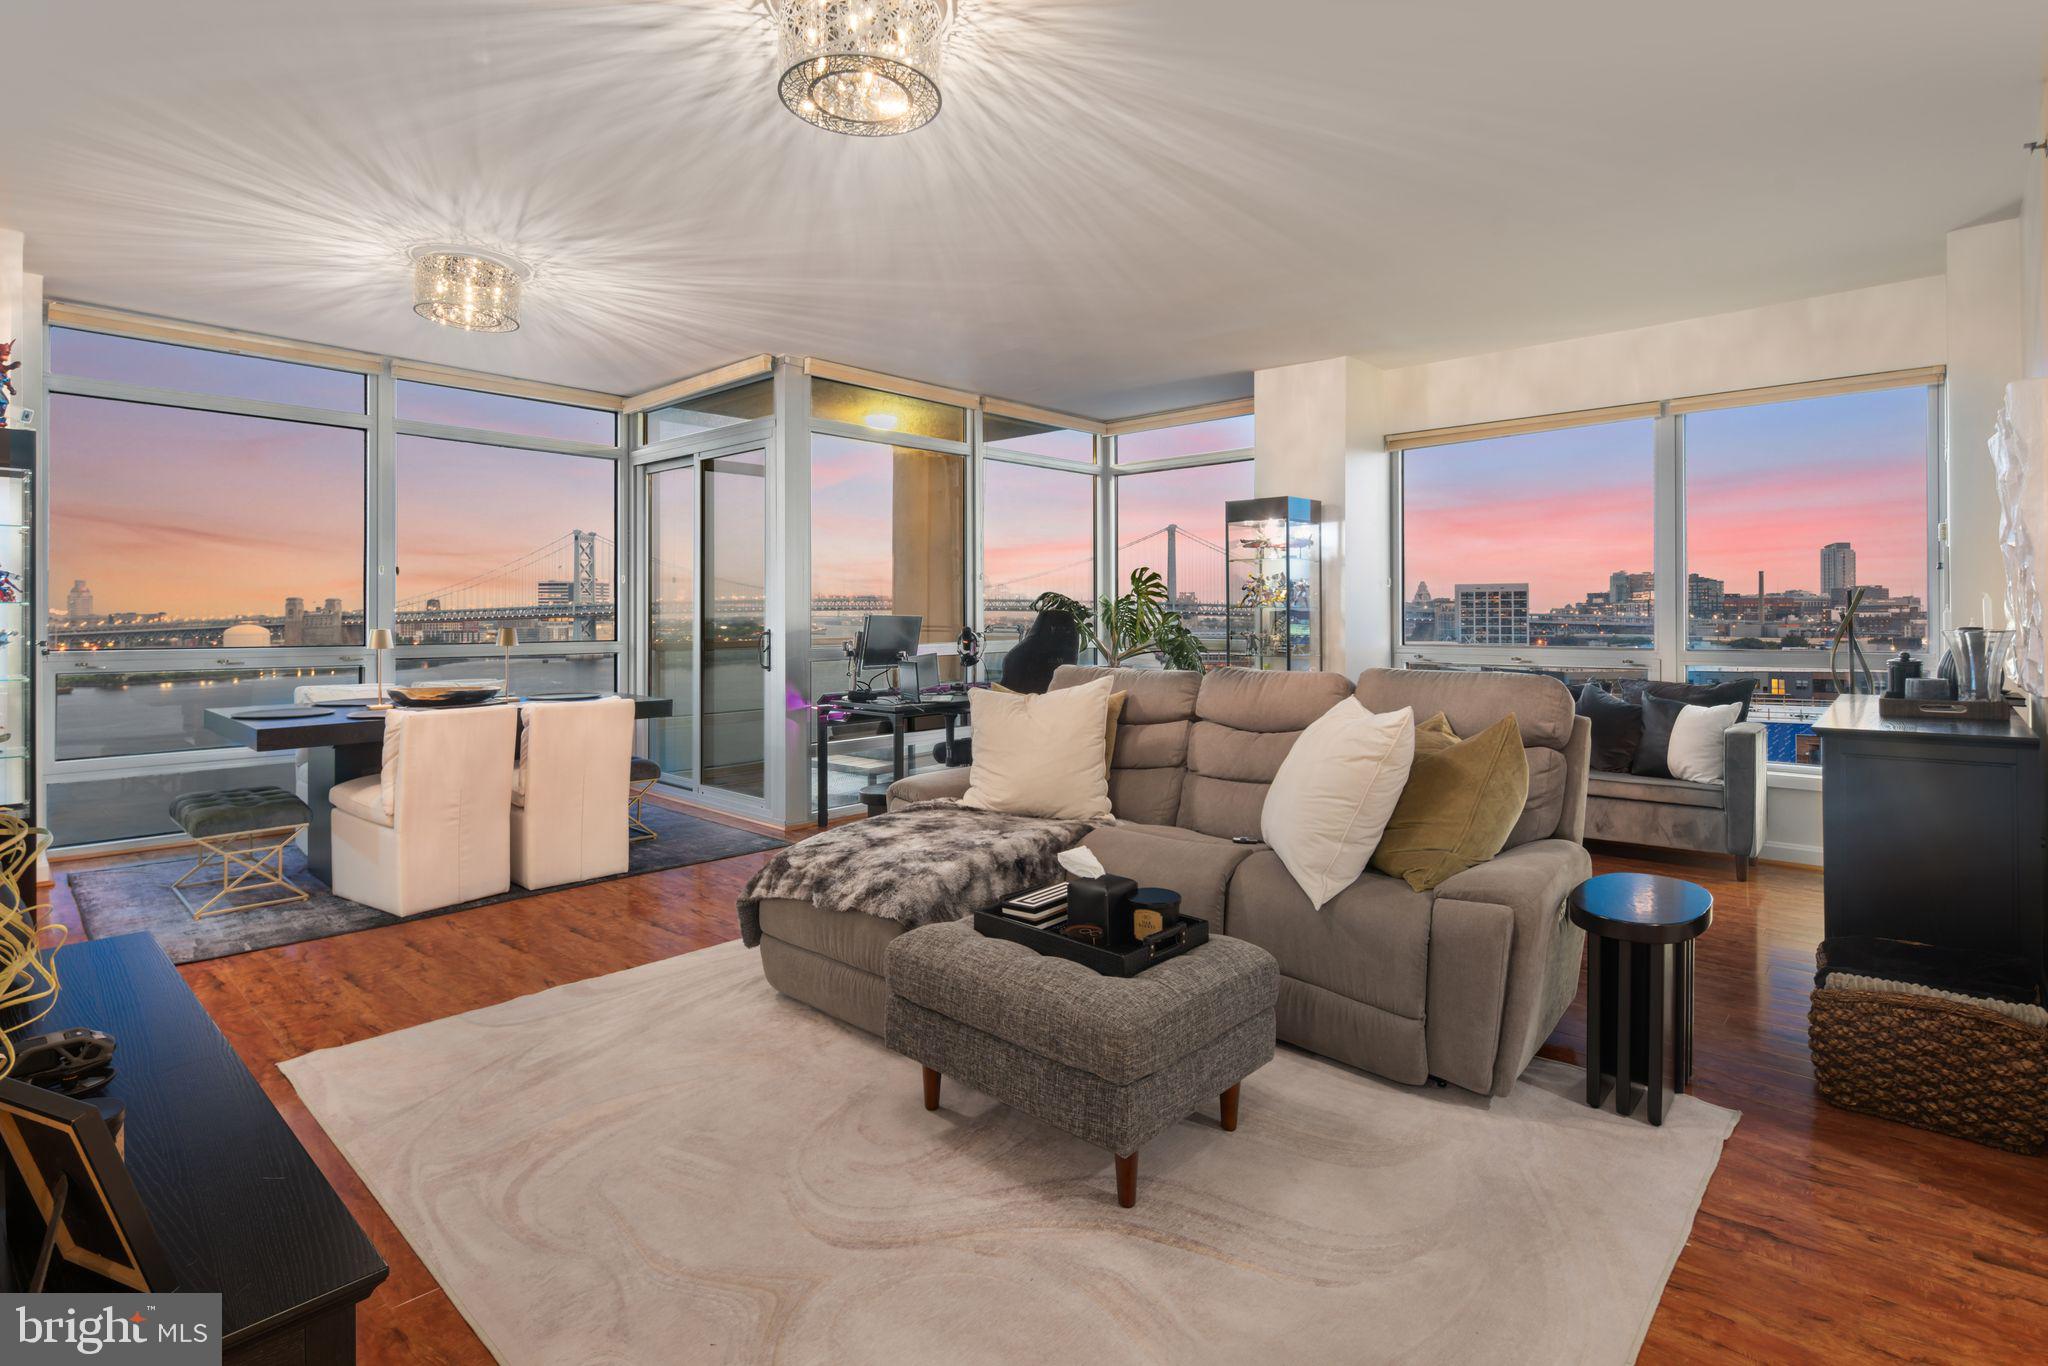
pixel 1837 571
pixel 1493 613
pixel 1705 597
pixel 1624 585
pixel 556 593
pixel 78 602
pixel 324 627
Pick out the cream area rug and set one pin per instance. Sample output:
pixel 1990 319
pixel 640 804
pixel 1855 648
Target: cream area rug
pixel 674 1164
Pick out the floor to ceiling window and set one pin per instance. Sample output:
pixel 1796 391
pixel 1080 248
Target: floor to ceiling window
pixel 214 538
pixel 1169 514
pixel 889 535
pixel 1038 513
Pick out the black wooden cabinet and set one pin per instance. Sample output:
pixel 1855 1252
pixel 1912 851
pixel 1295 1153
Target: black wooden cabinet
pixel 236 1201
pixel 1934 830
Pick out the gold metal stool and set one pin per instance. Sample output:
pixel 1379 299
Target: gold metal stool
pixel 244 832
pixel 645 774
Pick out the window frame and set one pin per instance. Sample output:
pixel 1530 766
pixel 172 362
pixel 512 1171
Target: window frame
pixel 381 428
pixel 1672 655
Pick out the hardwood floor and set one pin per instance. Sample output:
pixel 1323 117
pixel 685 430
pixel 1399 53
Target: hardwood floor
pixel 1824 1236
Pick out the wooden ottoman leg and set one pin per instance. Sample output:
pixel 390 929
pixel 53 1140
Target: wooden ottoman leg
pixel 1230 1109
pixel 931 1089
pixel 1127 1180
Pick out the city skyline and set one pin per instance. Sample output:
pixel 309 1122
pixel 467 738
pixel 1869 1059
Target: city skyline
pixel 1624 612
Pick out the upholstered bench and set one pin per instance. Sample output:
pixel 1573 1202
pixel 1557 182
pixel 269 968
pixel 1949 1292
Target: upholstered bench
pixel 245 831
pixel 1113 1061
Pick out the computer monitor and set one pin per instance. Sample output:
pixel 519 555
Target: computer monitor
pixel 886 641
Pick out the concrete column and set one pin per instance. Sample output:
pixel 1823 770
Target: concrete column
pixel 1319 436
pixel 1984 355
pixel 929 490
pixel 2034 270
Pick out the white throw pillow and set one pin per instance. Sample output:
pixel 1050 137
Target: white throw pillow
pixel 1040 754
pixel 1698 753
pixel 1334 793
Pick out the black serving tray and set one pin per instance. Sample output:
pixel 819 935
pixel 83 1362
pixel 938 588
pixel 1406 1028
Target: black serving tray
pixel 1176 939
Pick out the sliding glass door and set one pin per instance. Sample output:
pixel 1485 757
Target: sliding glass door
pixel 706 599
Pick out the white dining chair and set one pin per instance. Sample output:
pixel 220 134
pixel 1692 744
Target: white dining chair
pixel 574 760
pixel 306 695
pixel 429 829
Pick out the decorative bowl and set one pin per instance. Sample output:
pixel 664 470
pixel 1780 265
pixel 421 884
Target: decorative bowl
pixel 443 694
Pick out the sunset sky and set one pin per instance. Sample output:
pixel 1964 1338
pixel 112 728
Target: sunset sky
pixel 201 514
pixel 1766 488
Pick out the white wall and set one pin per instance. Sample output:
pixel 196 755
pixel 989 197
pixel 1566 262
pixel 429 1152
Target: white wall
pixel 1983 355
pixel 2034 230
pixel 1860 332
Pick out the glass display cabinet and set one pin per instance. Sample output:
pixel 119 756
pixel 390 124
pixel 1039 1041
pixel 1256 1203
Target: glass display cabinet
pixel 17 623
pixel 1273 582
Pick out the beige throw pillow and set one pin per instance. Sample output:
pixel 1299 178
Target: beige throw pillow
pixel 1334 792
pixel 1041 754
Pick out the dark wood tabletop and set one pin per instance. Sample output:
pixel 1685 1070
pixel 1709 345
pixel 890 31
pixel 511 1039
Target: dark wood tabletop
pixel 236 1201
pixel 347 725
pixel 1860 716
pixel 1642 908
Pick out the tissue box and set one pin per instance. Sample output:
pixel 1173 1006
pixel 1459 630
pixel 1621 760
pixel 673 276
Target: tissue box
pixel 1103 901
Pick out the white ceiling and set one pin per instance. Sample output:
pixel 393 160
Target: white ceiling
pixel 1125 204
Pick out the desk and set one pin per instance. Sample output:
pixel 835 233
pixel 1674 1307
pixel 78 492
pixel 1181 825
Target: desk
pixel 348 743
pixel 236 1202
pixel 830 713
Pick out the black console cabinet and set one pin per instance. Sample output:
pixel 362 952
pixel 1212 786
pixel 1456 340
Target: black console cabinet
pixel 238 1205
pixel 1934 830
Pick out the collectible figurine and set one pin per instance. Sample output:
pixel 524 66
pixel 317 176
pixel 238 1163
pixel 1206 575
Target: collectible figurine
pixel 8 365
pixel 10 586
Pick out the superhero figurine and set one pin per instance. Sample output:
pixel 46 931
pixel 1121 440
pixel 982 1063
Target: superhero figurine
pixel 8 365
pixel 10 586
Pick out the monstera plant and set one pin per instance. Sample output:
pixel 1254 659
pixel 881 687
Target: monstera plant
pixel 1140 622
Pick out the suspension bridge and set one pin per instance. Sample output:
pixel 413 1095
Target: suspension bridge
pixel 565 584
pixel 1192 565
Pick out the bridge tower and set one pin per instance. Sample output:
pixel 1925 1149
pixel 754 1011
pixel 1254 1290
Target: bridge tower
pixel 583 579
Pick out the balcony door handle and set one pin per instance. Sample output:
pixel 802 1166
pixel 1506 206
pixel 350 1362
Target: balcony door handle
pixel 767 650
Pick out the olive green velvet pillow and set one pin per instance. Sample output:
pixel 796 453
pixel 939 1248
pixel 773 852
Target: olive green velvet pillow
pixel 1460 806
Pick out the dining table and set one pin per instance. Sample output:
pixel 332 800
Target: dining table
pixel 346 742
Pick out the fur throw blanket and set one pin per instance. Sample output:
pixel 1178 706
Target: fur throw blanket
pixel 928 862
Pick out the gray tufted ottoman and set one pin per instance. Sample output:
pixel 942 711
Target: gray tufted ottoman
pixel 1112 1060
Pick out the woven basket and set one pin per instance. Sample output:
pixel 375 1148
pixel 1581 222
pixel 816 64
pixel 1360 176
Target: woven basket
pixel 1936 1064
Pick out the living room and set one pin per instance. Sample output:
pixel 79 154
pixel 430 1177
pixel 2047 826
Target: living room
pixel 715 680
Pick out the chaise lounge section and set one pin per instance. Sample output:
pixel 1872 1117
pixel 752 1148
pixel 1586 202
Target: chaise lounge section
pixel 1462 983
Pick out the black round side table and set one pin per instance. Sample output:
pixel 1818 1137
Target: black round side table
pixel 1639 984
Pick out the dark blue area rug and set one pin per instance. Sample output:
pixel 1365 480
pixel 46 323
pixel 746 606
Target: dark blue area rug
pixel 138 896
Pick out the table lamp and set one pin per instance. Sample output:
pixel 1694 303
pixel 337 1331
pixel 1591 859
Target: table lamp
pixel 380 641
pixel 508 637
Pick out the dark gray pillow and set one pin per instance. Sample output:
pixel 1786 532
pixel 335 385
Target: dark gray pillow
pixel 1617 727
pixel 1699 694
pixel 1653 755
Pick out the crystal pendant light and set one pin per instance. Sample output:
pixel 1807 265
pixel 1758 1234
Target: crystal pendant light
pixel 868 68
pixel 466 288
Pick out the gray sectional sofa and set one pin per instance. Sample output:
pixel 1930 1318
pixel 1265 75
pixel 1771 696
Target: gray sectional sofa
pixel 1462 983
